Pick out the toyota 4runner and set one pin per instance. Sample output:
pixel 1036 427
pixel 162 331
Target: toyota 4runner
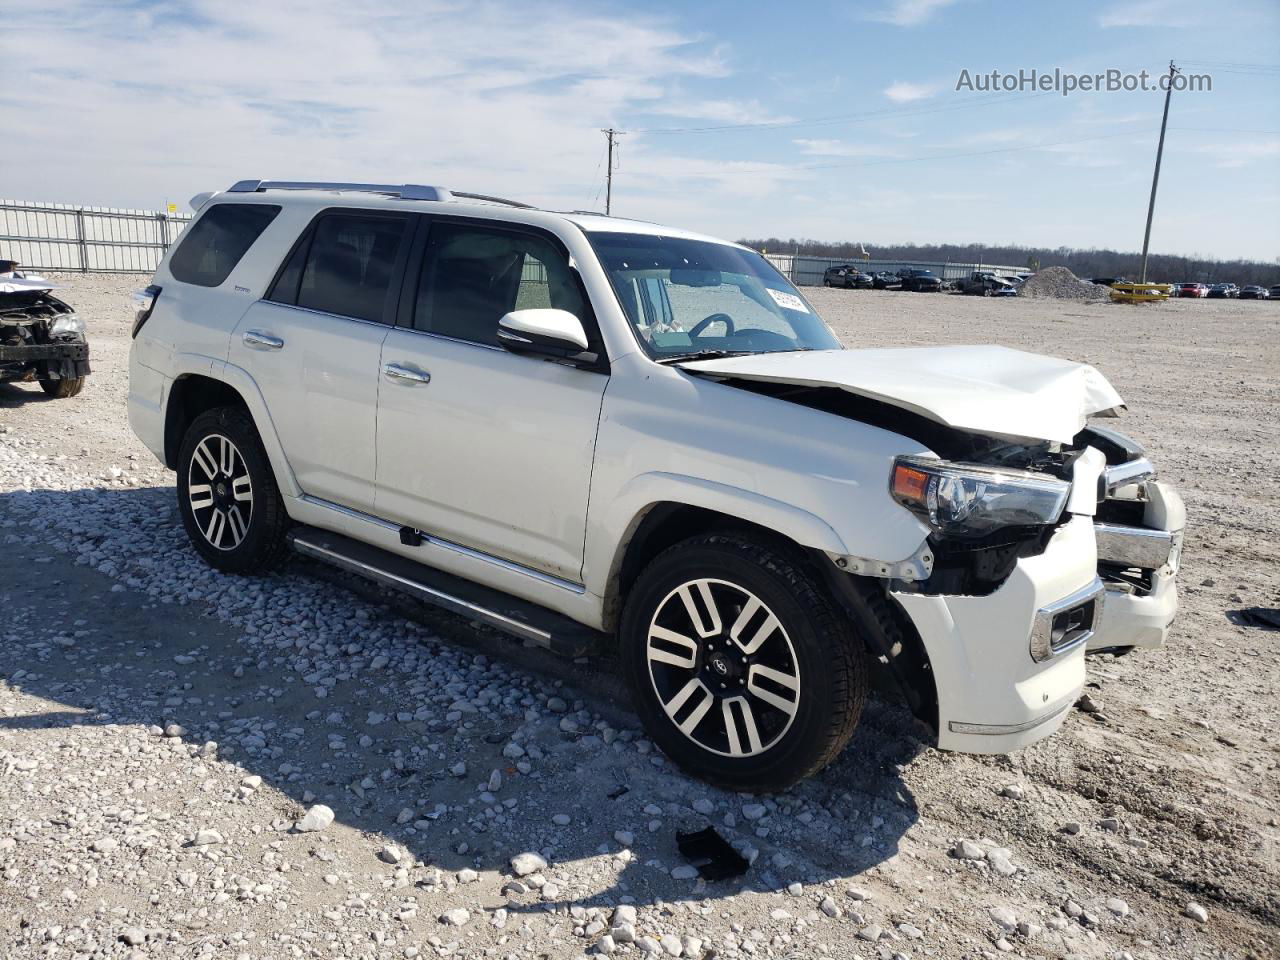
pixel 588 430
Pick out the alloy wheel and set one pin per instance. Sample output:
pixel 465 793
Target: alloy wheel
pixel 220 492
pixel 723 668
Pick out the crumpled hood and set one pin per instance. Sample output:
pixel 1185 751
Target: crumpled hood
pixel 982 389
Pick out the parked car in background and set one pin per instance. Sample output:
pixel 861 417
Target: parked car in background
pixel 602 434
pixel 1254 292
pixel 1192 290
pixel 1275 292
pixel 848 276
pixel 983 283
pixel 42 338
pixel 886 281
pixel 1108 281
pixel 920 281
pixel 1228 291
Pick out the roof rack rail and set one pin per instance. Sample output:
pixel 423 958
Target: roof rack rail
pixel 405 191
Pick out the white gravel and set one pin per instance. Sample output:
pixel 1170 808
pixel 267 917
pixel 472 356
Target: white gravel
pixel 166 732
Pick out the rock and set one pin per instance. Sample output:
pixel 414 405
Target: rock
pixel 671 945
pixel 456 917
pixel 134 936
pixel 1196 912
pixel 1071 827
pixel 317 818
pixel 754 811
pixel 684 872
pixel 828 906
pixel 704 806
pixel 1012 791
pixel 858 893
pixel 692 946
pixel 523 864
pixel 795 889
pixel 911 931
pixel 968 850
pixel 556 705
pixel 467 875
pixel 1110 824
pixel 253 782
pixel 625 913
pixel 104 845
pixel 1004 918
pixel 623 932
pixel 871 933
pixel 1118 907
pixel 562 819
pixel 206 838
pixel 459 769
pixel 1086 704
pixel 1029 930
pixel 624 837
pixel 1001 863
pixel 606 945
pixel 648 945
pixel 175 730
pixel 390 854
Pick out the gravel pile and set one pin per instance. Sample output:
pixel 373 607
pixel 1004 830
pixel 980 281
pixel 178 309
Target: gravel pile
pixel 1059 283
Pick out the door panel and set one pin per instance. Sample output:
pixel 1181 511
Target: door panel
pixel 321 387
pixel 494 452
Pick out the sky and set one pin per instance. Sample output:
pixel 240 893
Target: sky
pixel 829 121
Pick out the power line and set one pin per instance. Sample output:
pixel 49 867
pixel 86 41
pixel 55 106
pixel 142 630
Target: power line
pixel 982 101
pixel 974 153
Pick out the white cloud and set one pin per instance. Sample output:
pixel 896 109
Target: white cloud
pixel 839 148
pixel 901 92
pixel 136 106
pixel 717 111
pixel 1148 13
pixel 1239 153
pixel 908 13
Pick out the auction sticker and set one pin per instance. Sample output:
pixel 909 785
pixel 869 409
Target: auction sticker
pixel 787 301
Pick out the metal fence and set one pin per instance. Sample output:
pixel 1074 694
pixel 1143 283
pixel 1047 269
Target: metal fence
pixel 59 236
pixel 808 271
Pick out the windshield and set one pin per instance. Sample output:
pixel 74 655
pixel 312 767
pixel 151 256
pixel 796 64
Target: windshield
pixel 690 297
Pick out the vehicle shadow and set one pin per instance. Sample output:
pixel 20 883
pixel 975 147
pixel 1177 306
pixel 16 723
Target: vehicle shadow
pixel 335 692
pixel 16 394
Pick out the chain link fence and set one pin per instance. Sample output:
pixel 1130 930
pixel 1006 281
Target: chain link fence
pixel 63 237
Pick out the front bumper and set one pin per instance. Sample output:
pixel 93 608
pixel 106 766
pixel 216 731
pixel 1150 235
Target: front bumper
pixel 1139 562
pixel 65 359
pixel 993 694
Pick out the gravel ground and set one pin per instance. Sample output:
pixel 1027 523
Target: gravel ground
pixel 169 736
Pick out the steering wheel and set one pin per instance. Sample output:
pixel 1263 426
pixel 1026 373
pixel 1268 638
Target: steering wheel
pixel 708 321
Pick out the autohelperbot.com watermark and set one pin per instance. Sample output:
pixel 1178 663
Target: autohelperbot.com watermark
pixel 1066 83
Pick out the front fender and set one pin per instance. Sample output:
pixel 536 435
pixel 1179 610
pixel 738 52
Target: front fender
pixel 639 495
pixel 242 381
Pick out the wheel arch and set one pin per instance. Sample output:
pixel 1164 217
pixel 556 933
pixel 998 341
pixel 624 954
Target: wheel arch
pixel 192 393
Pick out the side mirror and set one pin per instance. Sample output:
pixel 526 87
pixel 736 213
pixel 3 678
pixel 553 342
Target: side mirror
pixel 542 332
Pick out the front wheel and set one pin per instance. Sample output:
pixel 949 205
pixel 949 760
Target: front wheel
pixel 227 494
pixel 743 670
pixel 63 387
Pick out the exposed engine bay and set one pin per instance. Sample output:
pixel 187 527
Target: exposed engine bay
pixel 41 337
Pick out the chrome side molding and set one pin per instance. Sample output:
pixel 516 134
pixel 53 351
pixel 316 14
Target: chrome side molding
pixel 1065 624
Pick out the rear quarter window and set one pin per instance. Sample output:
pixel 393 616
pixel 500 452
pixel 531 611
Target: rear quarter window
pixel 214 244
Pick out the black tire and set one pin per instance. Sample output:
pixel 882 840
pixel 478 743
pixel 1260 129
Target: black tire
pixel 830 671
pixel 62 388
pixel 236 544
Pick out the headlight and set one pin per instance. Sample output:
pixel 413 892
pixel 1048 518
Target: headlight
pixel 967 501
pixel 67 324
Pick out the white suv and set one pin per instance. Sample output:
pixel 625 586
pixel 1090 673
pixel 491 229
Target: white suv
pixel 591 431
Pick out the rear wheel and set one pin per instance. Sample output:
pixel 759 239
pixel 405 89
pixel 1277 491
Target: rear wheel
pixel 62 388
pixel 231 507
pixel 743 670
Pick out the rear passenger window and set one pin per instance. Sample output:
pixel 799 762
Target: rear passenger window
pixel 214 244
pixel 472 275
pixel 348 266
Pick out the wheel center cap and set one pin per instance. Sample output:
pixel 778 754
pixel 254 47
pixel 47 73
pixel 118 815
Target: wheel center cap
pixel 719 664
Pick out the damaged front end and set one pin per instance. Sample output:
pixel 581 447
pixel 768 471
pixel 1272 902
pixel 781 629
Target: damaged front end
pixel 41 338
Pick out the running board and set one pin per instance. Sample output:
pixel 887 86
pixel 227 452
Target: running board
pixel 526 620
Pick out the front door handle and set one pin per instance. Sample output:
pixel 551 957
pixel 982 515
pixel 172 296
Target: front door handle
pixel 257 340
pixel 405 375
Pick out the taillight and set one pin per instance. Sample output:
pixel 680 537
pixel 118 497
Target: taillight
pixel 144 301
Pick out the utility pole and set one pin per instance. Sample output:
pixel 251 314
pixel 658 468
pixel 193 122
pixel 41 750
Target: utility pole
pixel 1155 177
pixel 610 134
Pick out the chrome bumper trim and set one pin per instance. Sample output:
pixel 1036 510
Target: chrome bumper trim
pixel 1043 645
pixel 1001 729
pixel 1127 474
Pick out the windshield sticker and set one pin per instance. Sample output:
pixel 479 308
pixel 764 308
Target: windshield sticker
pixel 787 301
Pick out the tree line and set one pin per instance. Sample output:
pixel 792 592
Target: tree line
pixel 1161 267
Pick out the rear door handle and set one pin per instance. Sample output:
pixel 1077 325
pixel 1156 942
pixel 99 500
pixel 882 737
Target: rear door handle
pixel 405 375
pixel 257 340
